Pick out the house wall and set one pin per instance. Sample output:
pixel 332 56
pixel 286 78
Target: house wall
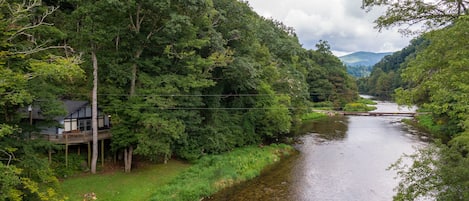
pixel 49 131
pixel 70 124
pixel 72 121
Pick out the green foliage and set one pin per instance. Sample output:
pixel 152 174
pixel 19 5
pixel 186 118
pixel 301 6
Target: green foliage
pixel 28 76
pixel 386 74
pixel 26 175
pixel 438 76
pixel 358 107
pixel 366 101
pixel 313 116
pixel 428 123
pixel 76 164
pixel 323 105
pixel 431 14
pixel 437 171
pixel 359 71
pixel 212 173
pixel 328 78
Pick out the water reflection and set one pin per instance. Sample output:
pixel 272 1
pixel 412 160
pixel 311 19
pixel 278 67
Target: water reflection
pixel 334 128
pixel 343 158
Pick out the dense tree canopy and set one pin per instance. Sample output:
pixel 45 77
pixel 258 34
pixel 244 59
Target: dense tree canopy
pixel 438 76
pixel 199 77
pixel 178 77
pixel 32 72
pixel 435 79
pixel 386 74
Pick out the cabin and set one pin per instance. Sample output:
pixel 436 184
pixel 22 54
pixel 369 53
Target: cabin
pixel 75 125
pixel 74 128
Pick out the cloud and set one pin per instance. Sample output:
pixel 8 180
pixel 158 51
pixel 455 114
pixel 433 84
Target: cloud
pixel 342 23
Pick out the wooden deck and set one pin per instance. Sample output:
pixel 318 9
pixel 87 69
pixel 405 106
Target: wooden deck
pixel 77 137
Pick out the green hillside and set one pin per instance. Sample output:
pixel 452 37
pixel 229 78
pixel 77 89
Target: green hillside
pixel 360 64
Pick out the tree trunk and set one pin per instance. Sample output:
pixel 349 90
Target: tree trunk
pixel 128 152
pixel 134 72
pixel 94 113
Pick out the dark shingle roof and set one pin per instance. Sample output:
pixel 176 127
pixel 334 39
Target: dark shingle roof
pixel 73 106
pixel 70 107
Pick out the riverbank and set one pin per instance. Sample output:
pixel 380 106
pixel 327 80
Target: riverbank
pixel 177 180
pixel 213 173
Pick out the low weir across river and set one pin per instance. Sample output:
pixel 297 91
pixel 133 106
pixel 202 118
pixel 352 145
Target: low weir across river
pixel 404 114
pixel 343 158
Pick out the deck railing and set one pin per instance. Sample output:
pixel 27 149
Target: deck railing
pixel 76 137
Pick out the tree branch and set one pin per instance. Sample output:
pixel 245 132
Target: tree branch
pixel 41 48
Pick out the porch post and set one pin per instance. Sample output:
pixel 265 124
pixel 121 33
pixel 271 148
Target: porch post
pixel 102 153
pixel 89 154
pixel 66 150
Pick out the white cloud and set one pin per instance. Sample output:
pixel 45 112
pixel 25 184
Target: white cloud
pixel 342 23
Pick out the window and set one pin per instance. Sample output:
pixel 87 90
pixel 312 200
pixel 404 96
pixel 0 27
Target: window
pixel 84 124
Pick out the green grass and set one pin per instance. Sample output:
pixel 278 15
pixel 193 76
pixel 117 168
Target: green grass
pixel 213 173
pixel 313 116
pixel 177 180
pixel 118 186
pixel 358 107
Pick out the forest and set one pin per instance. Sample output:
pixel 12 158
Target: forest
pixel 179 78
pixel 430 73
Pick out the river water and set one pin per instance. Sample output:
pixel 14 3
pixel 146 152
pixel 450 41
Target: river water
pixel 340 159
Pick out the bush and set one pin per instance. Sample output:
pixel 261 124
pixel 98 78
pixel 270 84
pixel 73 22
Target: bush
pixel 76 164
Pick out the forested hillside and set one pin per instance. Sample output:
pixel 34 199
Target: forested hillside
pixel 385 76
pixel 360 64
pixel 432 74
pixel 185 78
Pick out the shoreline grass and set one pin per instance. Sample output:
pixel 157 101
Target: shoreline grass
pixel 215 172
pixel 313 116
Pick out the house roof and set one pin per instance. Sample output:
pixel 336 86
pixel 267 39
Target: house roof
pixel 70 107
pixel 73 106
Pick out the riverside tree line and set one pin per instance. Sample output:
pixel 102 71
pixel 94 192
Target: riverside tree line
pixel 431 73
pixel 178 77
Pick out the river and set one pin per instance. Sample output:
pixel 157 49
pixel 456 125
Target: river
pixel 340 159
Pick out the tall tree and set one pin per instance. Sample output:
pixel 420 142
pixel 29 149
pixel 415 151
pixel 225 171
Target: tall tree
pixel 91 29
pixel 31 72
pixel 438 74
pixel 94 112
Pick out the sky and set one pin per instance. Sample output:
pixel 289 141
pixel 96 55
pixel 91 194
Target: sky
pixel 342 23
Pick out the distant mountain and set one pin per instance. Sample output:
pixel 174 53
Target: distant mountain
pixel 359 64
pixel 363 58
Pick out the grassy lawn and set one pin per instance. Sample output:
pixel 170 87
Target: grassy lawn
pixel 136 186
